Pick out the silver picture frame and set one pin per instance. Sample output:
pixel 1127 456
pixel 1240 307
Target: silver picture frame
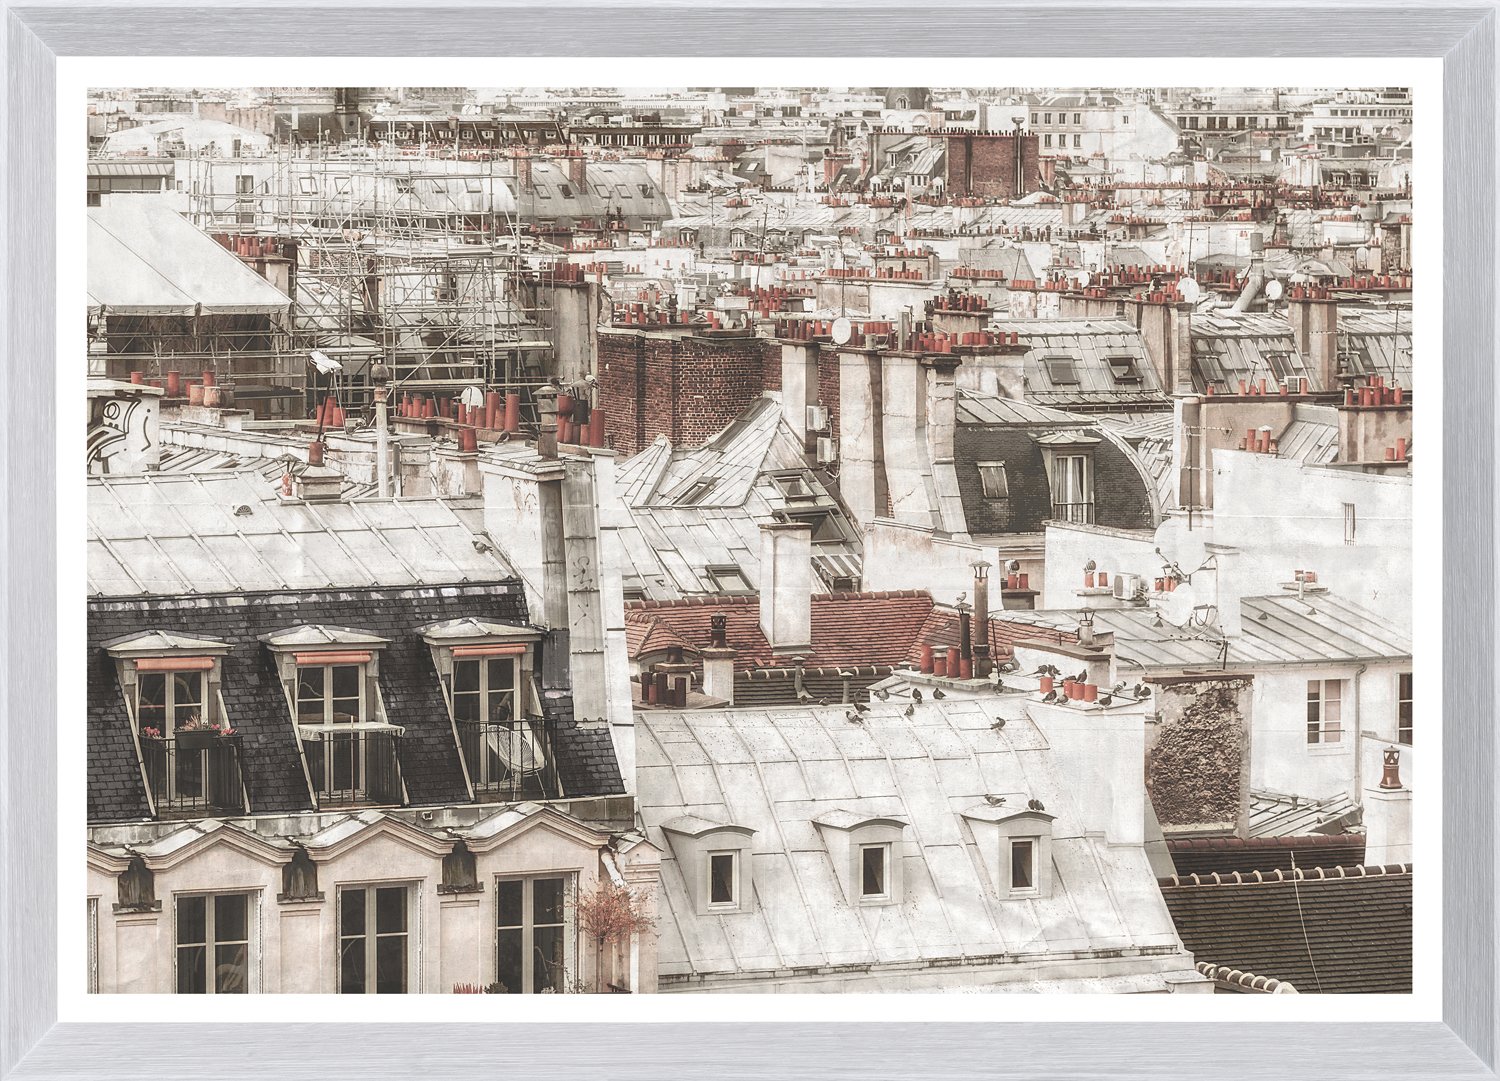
pixel 34 1044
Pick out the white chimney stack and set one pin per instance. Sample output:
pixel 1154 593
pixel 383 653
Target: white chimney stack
pixel 1228 588
pixel 786 586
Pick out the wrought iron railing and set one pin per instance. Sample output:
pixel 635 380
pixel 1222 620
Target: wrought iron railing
pixel 1077 513
pixel 510 760
pixel 354 765
pixel 194 772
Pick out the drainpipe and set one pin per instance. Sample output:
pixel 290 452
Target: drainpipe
pixel 380 376
pixel 1359 735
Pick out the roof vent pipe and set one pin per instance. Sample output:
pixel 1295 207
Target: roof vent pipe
pixel 1255 278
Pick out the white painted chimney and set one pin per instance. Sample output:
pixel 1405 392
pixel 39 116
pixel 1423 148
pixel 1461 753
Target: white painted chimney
pixel 1228 588
pixel 786 586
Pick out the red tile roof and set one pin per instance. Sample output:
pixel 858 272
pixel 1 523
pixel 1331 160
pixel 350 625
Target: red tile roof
pixel 847 628
pixel 645 633
pixel 941 631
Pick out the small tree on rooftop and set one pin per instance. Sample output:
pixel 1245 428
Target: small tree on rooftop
pixel 611 913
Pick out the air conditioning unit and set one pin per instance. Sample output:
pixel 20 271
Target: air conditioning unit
pixel 828 451
pixel 817 418
pixel 1126 586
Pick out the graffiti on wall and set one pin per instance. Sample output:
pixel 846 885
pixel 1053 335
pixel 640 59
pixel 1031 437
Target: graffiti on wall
pixel 122 435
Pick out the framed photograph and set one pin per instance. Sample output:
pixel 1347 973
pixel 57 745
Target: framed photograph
pixel 641 508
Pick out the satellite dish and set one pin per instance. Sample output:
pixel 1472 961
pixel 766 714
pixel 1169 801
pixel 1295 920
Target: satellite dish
pixel 1189 290
pixel 1274 290
pixel 473 397
pixel 1177 606
pixel 843 330
pixel 324 363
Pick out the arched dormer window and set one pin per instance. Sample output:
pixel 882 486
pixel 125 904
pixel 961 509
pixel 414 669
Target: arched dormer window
pixel 866 854
pixel 1015 845
pixel 715 861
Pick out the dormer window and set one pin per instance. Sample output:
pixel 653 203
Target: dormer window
pixel 189 751
pixel 864 852
pixel 331 678
pixel 486 670
pixel 1022 864
pixel 714 858
pixel 1015 846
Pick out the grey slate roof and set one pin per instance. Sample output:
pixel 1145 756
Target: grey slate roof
pixel 257 708
pixel 1340 930
pixel 700 507
pixel 993 429
pixel 1381 338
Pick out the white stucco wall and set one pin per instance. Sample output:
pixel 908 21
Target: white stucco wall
pixel 294 945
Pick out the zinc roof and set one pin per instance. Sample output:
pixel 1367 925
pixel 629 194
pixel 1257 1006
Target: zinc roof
pixel 189 533
pixel 1280 629
pixel 778 770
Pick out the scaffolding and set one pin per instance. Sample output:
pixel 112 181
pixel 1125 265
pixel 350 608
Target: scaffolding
pixel 411 260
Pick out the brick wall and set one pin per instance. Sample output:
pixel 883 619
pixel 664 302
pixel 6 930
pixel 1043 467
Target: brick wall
pixel 986 165
pixel 828 387
pixel 621 374
pixel 687 387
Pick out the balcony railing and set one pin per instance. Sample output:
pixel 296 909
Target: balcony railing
pixel 1077 513
pixel 354 763
pixel 510 760
pixel 194 772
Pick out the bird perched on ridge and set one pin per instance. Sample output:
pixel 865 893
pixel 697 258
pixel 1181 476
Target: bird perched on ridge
pixel 938 693
pixel 994 801
pixel 1050 696
pixel 854 718
pixel 860 707
pixel 916 695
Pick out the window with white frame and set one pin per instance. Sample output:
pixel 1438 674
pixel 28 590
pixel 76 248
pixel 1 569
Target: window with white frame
pixel 875 872
pixel 1072 488
pixel 330 675
pixel 723 880
pixel 486 672
pixel 213 943
pixel 171 685
pixel 1403 708
pixel 534 944
pixel 374 939
pixel 1325 711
